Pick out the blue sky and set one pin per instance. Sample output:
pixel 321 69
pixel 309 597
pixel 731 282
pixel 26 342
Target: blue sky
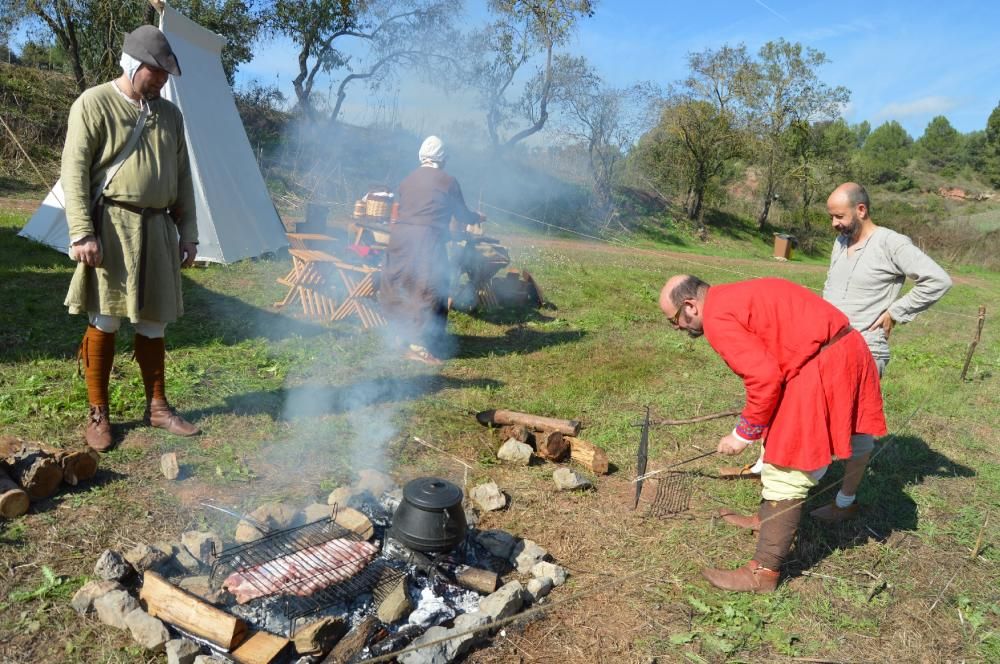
pixel 904 61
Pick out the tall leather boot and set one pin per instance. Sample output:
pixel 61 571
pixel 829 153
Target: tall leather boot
pixel 97 352
pixel 779 519
pixel 150 353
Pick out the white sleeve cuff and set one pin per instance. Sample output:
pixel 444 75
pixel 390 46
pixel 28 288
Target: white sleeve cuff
pixel 745 440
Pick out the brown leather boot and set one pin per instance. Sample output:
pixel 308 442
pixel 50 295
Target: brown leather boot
pixel 739 473
pixel 830 513
pixel 98 432
pixel 749 578
pixel 751 522
pixel 159 414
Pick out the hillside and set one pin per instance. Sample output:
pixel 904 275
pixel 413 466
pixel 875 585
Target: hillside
pixel 296 162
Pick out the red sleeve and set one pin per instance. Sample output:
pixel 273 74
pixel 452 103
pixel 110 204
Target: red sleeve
pixel 746 355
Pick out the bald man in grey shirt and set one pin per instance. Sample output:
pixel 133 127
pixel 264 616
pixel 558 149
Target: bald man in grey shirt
pixel 867 269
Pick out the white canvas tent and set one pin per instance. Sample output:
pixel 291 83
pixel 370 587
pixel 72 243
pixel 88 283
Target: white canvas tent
pixel 236 218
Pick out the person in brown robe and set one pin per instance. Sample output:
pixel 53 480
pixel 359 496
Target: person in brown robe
pixel 417 275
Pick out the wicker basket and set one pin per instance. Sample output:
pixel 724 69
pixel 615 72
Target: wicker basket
pixel 377 208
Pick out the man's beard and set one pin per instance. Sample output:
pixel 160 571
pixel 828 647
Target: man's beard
pixel 851 229
pixel 694 334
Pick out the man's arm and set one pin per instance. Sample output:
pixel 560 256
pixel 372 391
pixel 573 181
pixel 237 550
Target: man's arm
pixel 183 209
pixel 931 282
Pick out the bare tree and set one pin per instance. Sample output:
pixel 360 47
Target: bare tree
pixel 496 55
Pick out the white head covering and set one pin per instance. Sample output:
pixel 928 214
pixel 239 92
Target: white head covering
pixel 130 66
pixel 432 152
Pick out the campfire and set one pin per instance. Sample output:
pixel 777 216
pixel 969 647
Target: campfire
pixel 389 570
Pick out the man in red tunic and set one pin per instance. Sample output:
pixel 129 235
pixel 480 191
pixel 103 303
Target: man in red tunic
pixel 810 384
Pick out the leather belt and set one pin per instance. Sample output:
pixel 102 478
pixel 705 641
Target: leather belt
pixel 844 331
pixel 135 209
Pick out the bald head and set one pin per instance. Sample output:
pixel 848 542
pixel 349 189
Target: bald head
pixel 852 195
pixel 849 207
pixel 681 300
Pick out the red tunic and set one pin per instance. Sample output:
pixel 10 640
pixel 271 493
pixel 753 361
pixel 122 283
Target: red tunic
pixel 804 400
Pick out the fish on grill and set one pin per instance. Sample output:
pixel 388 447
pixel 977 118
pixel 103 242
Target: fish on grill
pixel 303 572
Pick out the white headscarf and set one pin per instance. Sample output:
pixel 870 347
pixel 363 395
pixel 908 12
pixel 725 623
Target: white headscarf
pixel 432 152
pixel 130 66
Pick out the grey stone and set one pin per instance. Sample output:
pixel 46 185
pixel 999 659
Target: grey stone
pixel 550 570
pixel 143 557
pixel 515 452
pixel 498 542
pixel 570 480
pixel 204 546
pixel 488 497
pixel 316 512
pixel 83 600
pixel 186 561
pixel 451 649
pixel 209 659
pixel 505 602
pixel 471 517
pixel 374 482
pixel 169 466
pixel 527 554
pixel 182 651
pixel 147 631
pixel 111 566
pixel 396 606
pixel 539 588
pixel 114 606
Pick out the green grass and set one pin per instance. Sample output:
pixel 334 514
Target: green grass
pixel 291 408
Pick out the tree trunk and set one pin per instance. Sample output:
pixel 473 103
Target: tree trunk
pixel 762 217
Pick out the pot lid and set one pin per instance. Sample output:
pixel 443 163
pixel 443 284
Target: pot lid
pixel 432 493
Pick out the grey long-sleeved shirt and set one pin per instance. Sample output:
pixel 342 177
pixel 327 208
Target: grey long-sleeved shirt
pixel 867 283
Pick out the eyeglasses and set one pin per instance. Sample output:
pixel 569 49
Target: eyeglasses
pixel 675 319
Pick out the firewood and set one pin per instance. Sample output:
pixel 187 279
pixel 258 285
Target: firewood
pixel 77 464
pixel 13 500
pixel 474 578
pixel 261 648
pixel 38 473
pixel 516 431
pixel 551 445
pixel 588 455
pixel 173 605
pixel 353 643
pixel 319 637
pixel 502 417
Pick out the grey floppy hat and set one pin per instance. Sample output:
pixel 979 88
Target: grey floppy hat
pixel 150 46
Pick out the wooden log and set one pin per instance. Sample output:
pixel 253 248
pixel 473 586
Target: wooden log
pixel 261 648
pixel 551 445
pixel 38 473
pixel 319 637
pixel 588 455
pixel 517 431
pixel 77 464
pixel 173 605
pixel 353 643
pixel 13 500
pixel 481 580
pixel 502 417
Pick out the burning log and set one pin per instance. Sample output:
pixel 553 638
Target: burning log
pixel 588 455
pixel 173 605
pixel 551 445
pixel 319 637
pixel 38 473
pixel 502 417
pixel 353 643
pixel 261 648
pixel 13 500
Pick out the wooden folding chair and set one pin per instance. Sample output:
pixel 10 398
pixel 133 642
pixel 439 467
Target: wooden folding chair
pixel 360 283
pixel 309 282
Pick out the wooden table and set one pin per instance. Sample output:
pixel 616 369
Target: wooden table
pixel 309 282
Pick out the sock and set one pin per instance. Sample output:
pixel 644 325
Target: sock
pixel 98 354
pixel 758 467
pixel 149 353
pixel 843 502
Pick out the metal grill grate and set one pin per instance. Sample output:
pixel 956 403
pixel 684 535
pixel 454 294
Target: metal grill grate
pixel 673 495
pixel 313 566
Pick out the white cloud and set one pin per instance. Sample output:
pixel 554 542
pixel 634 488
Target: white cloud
pixel 932 105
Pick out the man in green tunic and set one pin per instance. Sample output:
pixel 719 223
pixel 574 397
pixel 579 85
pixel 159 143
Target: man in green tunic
pixel 131 244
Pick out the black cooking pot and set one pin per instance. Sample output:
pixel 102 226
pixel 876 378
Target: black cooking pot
pixel 430 517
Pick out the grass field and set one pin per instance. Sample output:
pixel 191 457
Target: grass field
pixel 291 408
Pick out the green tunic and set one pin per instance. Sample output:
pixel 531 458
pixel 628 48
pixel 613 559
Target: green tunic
pixel 156 175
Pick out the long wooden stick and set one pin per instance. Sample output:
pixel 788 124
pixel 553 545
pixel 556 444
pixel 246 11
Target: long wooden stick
pixel 694 420
pixel 975 341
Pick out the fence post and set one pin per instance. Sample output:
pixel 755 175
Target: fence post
pixel 975 341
